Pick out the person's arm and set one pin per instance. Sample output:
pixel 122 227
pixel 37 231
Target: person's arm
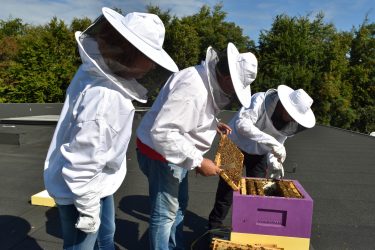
pixel 245 126
pixel 223 128
pixel 81 173
pixel 91 149
pixel 179 116
pixel 208 168
pixel 275 167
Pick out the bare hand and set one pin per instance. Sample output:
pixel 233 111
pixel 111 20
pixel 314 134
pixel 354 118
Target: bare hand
pixel 208 168
pixel 223 128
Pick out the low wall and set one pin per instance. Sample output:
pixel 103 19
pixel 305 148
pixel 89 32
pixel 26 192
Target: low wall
pixel 11 110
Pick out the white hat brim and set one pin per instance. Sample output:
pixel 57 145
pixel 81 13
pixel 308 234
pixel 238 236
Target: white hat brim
pixel 160 57
pixel 243 93
pixel 307 119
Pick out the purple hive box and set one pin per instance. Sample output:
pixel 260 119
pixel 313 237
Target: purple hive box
pixel 271 215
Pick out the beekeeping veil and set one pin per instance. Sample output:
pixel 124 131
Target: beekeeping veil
pixel 298 124
pixel 142 30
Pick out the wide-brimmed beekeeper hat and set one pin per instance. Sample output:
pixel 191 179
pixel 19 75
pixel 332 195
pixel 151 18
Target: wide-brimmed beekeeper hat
pixel 145 31
pixel 298 104
pixel 243 69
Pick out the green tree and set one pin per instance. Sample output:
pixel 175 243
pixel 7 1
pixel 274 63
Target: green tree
pixel 336 68
pixel 44 65
pixel 213 30
pixel 80 24
pixel 308 54
pixel 10 31
pixel 12 27
pixel 362 76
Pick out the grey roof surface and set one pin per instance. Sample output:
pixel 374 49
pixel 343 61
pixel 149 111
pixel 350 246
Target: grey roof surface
pixel 336 167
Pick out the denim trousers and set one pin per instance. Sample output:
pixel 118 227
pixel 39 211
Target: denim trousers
pixel 75 239
pixel 168 191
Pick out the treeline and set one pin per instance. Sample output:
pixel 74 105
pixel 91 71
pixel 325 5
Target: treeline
pixel 335 67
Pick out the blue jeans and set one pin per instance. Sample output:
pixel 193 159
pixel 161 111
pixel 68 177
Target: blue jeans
pixel 75 239
pixel 168 191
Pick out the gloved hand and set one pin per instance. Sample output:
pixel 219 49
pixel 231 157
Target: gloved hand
pixel 275 168
pixel 89 213
pixel 88 223
pixel 279 152
pixel 277 149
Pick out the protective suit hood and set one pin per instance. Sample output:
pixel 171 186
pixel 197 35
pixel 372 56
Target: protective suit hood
pixel 270 102
pixel 218 95
pixel 93 61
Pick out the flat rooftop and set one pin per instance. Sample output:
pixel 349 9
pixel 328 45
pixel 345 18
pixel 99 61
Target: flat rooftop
pixel 336 167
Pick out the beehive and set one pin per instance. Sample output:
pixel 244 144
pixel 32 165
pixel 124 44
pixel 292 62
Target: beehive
pixel 230 159
pixel 266 211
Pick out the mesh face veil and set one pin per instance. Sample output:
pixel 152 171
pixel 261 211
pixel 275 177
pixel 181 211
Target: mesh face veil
pixel 285 128
pixel 118 54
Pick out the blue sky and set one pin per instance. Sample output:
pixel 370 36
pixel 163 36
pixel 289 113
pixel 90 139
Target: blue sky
pixel 251 15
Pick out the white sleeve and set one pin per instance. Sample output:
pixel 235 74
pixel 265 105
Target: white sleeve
pixel 245 123
pixel 178 116
pixel 97 140
pixel 85 156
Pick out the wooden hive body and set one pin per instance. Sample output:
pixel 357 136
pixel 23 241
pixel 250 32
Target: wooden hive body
pixel 283 217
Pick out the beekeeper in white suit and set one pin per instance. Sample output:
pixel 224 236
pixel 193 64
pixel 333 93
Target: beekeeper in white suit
pixel 86 160
pixel 180 127
pixel 260 132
